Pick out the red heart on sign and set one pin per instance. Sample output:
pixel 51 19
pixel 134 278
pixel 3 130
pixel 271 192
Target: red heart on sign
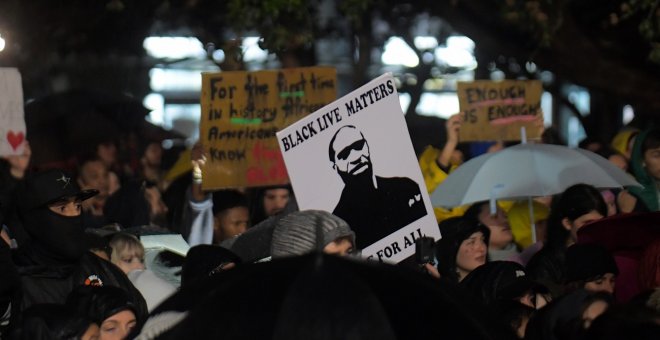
pixel 15 139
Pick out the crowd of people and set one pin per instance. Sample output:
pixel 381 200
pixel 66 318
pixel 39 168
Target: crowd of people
pixel 74 264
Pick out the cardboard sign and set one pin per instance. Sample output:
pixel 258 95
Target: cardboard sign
pixel 354 158
pixel 496 110
pixel 12 121
pixel 242 111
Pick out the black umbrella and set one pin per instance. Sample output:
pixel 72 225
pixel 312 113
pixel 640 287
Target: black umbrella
pixel 63 125
pixel 320 297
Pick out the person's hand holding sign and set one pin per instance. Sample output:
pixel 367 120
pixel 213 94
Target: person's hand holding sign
pixel 452 126
pixel 18 164
pixel 539 125
pixel 197 160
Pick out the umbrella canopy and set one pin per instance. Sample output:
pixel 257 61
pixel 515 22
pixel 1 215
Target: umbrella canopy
pixel 623 232
pixel 527 170
pixel 321 297
pixel 626 237
pixel 66 124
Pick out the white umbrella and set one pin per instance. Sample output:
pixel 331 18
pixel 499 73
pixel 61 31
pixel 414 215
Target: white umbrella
pixel 527 170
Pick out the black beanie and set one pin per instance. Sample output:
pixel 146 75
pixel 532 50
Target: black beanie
pixel 500 280
pixel 100 302
pixel 587 261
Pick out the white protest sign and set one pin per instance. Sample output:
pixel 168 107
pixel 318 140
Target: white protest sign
pixel 354 158
pixel 12 121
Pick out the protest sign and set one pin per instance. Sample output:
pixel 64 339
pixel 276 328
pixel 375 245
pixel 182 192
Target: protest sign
pixel 12 121
pixel 354 158
pixel 242 111
pixel 496 110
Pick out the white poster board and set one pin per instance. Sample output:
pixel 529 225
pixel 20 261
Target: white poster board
pixel 12 121
pixel 354 158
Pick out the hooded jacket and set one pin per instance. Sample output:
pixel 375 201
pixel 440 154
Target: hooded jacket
pixel 648 194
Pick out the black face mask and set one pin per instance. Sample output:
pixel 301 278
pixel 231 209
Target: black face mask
pixel 58 237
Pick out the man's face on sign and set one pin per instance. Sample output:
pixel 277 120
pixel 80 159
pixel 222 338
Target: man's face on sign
pixel 351 152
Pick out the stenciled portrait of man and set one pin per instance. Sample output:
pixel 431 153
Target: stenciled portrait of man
pixel 373 206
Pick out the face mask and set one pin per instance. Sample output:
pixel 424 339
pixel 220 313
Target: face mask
pixel 59 236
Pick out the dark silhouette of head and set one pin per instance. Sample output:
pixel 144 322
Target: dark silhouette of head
pixel 349 153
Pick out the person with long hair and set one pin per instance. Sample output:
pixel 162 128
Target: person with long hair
pixel 575 207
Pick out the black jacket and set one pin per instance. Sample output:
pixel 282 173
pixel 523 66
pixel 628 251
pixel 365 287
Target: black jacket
pixel 375 213
pixel 40 283
pixel 548 267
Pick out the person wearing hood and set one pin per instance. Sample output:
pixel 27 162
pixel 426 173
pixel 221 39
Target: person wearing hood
pixel 55 259
pixel 624 141
pixel 462 248
pixel 645 166
pixel 109 307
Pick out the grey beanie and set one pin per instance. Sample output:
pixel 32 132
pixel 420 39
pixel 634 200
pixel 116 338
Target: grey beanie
pixel 296 233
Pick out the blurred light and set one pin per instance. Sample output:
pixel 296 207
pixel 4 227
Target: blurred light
pixel 156 103
pixel 579 96
pixel 251 50
pixel 497 75
pixel 183 118
pixel 2 43
pixel 459 53
pixel 426 43
pixel 218 56
pixel 547 77
pixel 404 100
pixel 428 57
pixel 456 57
pixel 628 114
pixel 575 132
pixel 546 107
pixel 397 52
pixel 434 84
pixel 174 47
pixel 530 66
pixel 167 144
pixel 175 80
pixel 411 80
pixel 462 42
pixel 441 105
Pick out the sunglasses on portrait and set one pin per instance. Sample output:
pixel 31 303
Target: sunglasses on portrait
pixel 357 146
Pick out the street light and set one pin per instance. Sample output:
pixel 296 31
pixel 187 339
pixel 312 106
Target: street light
pixel 2 43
